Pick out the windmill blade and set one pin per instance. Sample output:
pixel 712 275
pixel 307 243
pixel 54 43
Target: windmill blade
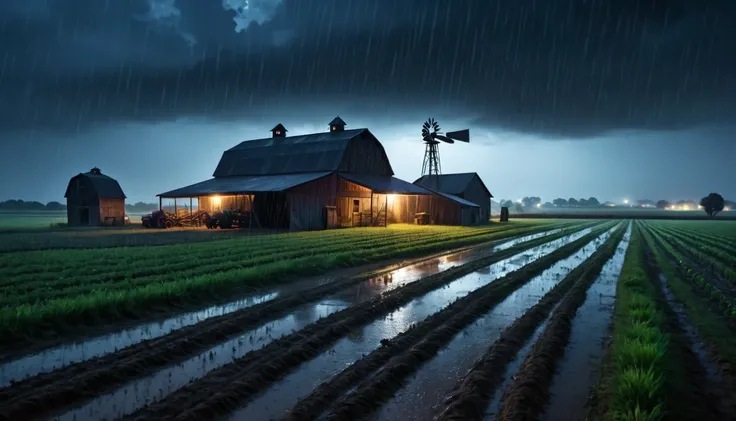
pixel 460 135
pixel 443 138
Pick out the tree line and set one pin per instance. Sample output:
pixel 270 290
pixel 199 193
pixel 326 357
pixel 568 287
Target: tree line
pixel 26 206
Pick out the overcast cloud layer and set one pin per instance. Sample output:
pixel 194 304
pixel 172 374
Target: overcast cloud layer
pixel 648 87
pixel 564 67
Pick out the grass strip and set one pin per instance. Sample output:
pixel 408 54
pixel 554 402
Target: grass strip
pixel 230 386
pixel 382 386
pixel 470 397
pixel 85 380
pixel 632 384
pixel 99 307
pixel 529 392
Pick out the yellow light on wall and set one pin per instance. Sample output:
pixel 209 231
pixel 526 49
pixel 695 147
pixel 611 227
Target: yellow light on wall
pixel 390 199
pixel 216 201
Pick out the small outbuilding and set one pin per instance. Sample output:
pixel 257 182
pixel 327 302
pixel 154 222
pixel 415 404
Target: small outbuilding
pixel 93 198
pixel 466 186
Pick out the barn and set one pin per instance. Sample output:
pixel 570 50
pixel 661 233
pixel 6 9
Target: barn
pixel 339 178
pixel 467 186
pixel 93 198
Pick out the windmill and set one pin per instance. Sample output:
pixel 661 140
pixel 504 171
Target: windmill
pixel 431 135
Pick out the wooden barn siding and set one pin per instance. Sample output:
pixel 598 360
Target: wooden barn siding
pixel 365 155
pixel 442 211
pixel 112 208
pixel 403 209
pixel 82 194
pixel 307 203
pixel 242 203
pixel 477 194
pixel 347 192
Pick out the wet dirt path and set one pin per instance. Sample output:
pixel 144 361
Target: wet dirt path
pixel 423 395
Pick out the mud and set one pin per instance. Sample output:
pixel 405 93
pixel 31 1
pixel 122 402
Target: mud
pixel 80 381
pixel 382 385
pixel 424 392
pixel 699 399
pixel 223 389
pixel 580 366
pixel 527 395
pixel 470 398
pixel 324 393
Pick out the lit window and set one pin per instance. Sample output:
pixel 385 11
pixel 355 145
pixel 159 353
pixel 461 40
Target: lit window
pixel 278 131
pixel 334 128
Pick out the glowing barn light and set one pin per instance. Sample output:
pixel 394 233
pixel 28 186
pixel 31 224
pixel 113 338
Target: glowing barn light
pixel 216 201
pixel 390 199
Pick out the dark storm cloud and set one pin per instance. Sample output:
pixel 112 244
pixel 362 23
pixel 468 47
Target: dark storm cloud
pixel 563 67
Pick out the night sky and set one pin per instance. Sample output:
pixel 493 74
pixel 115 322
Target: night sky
pixel 608 98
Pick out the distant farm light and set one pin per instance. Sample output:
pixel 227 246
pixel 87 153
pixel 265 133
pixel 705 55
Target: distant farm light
pixel 539 205
pixel 626 201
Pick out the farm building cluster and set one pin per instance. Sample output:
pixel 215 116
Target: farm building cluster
pixel 338 178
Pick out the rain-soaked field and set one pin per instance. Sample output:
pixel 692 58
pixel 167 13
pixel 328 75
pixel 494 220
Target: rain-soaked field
pixel 552 320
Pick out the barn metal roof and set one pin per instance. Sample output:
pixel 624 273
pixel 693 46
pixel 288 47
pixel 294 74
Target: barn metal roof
pixel 457 199
pixel 384 184
pixel 287 155
pixel 244 184
pixel 453 184
pixel 106 187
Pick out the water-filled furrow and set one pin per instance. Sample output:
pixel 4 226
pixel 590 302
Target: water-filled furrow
pixel 62 356
pixel 139 393
pixel 578 370
pixel 284 394
pixel 424 393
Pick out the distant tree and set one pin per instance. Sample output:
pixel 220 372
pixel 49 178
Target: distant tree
pixel 593 202
pixel 531 202
pixel 583 202
pixel 21 205
pixel 548 205
pixel 663 204
pixel 560 202
pixel 712 204
pixel 507 204
pixel 572 202
pixel 55 206
pixel 517 207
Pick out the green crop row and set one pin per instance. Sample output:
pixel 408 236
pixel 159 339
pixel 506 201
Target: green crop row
pixel 134 298
pixel 15 264
pixel 639 344
pixel 713 248
pixel 690 272
pixel 77 287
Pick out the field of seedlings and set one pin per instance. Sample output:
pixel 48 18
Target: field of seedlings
pixel 551 320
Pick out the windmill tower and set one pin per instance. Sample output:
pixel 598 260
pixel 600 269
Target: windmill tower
pixel 431 136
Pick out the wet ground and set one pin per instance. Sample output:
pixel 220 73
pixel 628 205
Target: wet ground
pixel 420 398
pixel 135 395
pixel 58 357
pixel 578 370
pixel 283 395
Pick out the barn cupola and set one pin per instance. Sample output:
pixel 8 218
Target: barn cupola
pixel 279 131
pixel 337 125
pixel 95 171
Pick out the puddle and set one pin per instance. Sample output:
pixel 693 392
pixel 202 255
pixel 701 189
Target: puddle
pixel 135 395
pixel 577 371
pixel 424 394
pixel 285 394
pixel 508 376
pixel 58 357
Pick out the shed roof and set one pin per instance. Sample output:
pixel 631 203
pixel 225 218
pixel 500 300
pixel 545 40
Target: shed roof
pixel 453 184
pixel 459 200
pixel 106 187
pixel 244 184
pixel 289 155
pixel 385 184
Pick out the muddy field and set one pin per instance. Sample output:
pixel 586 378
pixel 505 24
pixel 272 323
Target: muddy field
pixel 566 321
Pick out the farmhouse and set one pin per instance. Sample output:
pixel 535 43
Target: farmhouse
pixel 467 186
pixel 93 198
pixel 339 178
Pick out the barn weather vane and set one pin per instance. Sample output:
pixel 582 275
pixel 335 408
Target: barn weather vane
pixel 431 135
